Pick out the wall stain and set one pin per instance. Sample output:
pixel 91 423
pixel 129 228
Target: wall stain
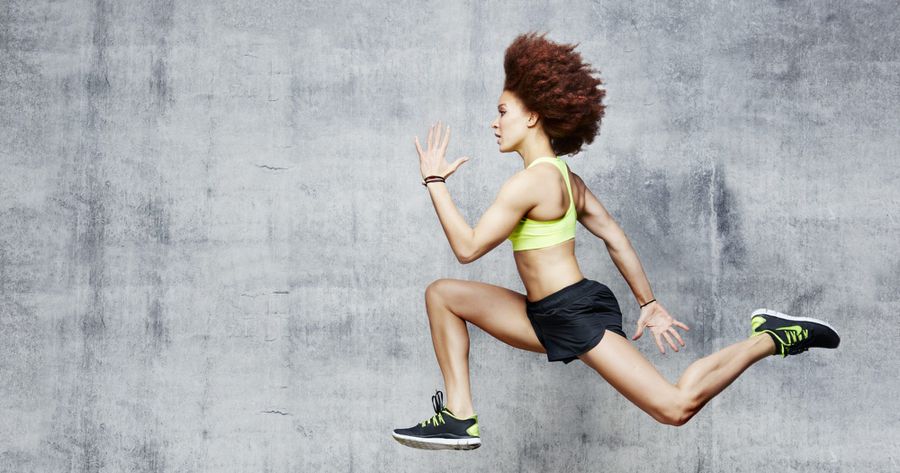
pixel 713 205
pixel 154 325
pixel 634 194
pixel 161 18
pixel 90 217
pixel 157 221
pixel 159 83
pixel 807 301
pixel 728 222
pixel 148 457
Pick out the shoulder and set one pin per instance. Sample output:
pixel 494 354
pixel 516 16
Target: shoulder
pixel 519 182
pixel 519 189
pixel 578 191
pixel 533 179
pixel 539 174
pixel 577 182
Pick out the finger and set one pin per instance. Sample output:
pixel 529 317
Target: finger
pixel 446 140
pixel 459 162
pixel 438 131
pixel 669 339
pixel 659 344
pixel 677 335
pixel 418 147
pixel 430 135
pixel 640 331
pixel 675 322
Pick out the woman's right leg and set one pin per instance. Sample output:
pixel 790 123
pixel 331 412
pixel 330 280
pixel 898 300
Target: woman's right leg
pixel 496 310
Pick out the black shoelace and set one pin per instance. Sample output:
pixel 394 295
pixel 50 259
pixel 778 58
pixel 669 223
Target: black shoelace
pixel 437 402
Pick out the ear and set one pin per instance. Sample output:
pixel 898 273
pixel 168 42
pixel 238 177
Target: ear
pixel 533 118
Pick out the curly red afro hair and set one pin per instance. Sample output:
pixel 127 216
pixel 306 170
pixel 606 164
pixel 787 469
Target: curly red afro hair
pixel 552 80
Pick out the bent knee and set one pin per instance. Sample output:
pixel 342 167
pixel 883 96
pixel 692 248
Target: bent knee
pixel 438 288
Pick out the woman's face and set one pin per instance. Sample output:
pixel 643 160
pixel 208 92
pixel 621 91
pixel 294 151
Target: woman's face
pixel 512 123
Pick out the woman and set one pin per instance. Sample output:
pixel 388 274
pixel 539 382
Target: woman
pixel 550 106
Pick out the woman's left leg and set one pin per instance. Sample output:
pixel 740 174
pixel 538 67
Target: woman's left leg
pixel 624 367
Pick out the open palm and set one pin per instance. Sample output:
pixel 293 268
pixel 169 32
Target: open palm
pixel 431 160
pixel 661 324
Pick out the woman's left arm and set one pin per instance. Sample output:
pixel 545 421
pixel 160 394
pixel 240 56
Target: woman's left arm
pixel 653 314
pixel 598 221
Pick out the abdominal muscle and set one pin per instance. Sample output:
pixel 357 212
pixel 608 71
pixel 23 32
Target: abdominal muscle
pixel 547 270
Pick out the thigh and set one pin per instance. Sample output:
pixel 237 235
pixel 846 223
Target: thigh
pixel 626 369
pixel 494 309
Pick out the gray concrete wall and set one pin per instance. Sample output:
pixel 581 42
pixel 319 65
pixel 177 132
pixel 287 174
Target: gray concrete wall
pixel 214 245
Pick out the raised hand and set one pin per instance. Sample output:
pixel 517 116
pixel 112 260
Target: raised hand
pixel 431 160
pixel 661 325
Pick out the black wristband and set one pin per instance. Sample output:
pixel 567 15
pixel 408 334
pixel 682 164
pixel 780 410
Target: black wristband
pixel 648 302
pixel 432 179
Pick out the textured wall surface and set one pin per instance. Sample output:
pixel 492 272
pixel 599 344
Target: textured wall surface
pixel 214 245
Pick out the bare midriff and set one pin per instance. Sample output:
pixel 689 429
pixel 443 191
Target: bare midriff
pixel 547 270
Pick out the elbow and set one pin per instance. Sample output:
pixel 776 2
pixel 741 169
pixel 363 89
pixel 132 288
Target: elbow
pixel 469 256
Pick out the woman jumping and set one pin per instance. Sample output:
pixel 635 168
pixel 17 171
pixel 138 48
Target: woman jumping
pixel 550 106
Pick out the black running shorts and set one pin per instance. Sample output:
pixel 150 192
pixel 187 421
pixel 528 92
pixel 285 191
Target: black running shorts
pixel 572 320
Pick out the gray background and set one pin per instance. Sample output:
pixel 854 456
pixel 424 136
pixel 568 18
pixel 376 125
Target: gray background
pixel 214 245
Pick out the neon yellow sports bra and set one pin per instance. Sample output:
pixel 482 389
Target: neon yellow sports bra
pixel 531 234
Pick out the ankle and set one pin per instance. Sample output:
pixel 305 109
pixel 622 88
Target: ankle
pixel 462 412
pixel 766 342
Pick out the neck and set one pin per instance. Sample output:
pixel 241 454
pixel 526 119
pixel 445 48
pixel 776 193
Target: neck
pixel 528 157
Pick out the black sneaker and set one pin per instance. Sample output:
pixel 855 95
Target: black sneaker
pixel 443 431
pixel 793 335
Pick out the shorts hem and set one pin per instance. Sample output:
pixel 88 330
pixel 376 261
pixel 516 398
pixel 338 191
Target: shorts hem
pixel 590 346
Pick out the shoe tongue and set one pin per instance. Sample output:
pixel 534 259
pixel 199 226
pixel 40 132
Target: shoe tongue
pixel 449 411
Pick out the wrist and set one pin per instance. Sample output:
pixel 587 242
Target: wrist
pixel 433 178
pixel 645 304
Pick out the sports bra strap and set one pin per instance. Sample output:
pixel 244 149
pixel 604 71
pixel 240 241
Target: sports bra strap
pixel 532 234
pixel 545 158
pixel 564 172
